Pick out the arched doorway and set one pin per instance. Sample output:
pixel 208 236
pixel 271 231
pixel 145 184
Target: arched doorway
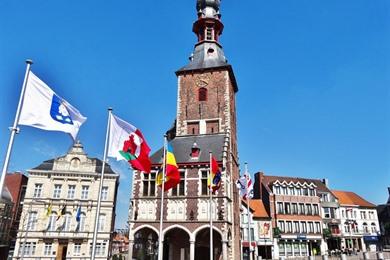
pixel 145 244
pixel 202 244
pixel 176 245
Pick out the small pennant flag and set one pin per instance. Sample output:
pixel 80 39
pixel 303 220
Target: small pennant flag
pixel 215 176
pixel 78 214
pixel 62 212
pixel 49 210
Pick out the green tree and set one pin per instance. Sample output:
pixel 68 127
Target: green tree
pixel 277 232
pixel 327 233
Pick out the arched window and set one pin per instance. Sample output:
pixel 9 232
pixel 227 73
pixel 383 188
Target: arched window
pixel 202 94
pixel 365 227
pixel 74 163
pixel 373 228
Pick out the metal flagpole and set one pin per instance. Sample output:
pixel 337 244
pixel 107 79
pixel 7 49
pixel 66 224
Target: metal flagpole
pixel 14 129
pixel 211 211
pixel 248 209
pixel 95 232
pixel 160 236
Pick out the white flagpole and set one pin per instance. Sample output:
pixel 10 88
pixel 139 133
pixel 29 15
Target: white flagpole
pixel 211 212
pixel 160 236
pixel 14 129
pixel 95 232
pixel 249 212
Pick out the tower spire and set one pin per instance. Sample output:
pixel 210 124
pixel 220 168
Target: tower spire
pixel 208 27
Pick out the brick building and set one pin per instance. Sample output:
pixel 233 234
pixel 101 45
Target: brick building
pixel 205 122
pixel 16 184
pixel 6 206
pixel 120 244
pixel 294 206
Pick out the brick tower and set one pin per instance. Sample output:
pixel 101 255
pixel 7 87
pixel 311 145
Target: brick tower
pixel 205 121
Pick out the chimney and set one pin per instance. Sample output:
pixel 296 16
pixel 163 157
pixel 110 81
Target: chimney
pixel 261 175
pixel 258 186
pixel 326 182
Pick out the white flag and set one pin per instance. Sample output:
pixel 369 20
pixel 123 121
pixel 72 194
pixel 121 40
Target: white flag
pixel 44 109
pixel 245 186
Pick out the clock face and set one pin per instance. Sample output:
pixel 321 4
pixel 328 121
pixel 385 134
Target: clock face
pixel 202 80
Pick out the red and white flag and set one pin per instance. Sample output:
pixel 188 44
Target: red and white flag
pixel 126 142
pixel 245 186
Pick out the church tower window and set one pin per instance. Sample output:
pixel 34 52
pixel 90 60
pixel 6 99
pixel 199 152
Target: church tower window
pixel 202 94
pixel 193 128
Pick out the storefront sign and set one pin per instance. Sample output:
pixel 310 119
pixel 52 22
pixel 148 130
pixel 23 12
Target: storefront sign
pixel 370 238
pixel 301 237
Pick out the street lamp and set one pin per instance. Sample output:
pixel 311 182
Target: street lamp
pixel 28 223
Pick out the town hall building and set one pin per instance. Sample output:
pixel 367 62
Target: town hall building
pixel 205 122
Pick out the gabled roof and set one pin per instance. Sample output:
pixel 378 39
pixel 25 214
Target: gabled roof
pixel 259 210
pixel 351 199
pixel 320 186
pixel 182 148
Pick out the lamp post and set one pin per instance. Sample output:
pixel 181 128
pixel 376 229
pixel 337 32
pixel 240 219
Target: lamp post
pixel 28 224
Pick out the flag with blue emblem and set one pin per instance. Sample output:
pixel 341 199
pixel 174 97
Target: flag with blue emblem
pixel 43 108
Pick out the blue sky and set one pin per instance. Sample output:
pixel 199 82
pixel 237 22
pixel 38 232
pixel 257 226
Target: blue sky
pixel 313 80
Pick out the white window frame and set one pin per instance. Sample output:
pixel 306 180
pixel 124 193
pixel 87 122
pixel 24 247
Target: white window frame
pixel 57 191
pixel 71 191
pixel 38 190
pixel 48 249
pixel 84 192
pixel 105 193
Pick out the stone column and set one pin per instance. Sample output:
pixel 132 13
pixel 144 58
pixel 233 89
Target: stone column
pixel 224 249
pixel 364 249
pixel 192 250
pixel 130 255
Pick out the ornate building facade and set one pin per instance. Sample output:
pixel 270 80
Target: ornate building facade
pixel 56 189
pixel 205 122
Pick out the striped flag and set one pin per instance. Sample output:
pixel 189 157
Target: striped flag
pixel 172 174
pixel 215 176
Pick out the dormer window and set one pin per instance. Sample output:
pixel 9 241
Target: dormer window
pixel 195 151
